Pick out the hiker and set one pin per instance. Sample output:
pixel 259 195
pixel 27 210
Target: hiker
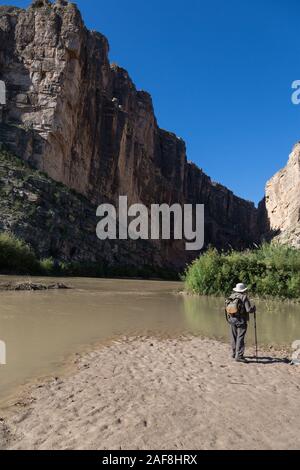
pixel 238 308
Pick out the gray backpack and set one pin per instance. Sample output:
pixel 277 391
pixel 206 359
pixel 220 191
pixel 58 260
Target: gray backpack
pixel 233 306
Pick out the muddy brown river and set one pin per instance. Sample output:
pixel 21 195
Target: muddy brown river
pixel 41 329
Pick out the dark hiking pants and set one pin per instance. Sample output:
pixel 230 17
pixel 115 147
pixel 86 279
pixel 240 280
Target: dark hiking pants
pixel 238 333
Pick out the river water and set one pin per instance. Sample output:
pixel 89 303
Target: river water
pixel 41 329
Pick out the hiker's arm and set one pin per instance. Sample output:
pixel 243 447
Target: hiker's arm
pixel 249 308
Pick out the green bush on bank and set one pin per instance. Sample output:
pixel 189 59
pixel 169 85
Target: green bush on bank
pixel 270 270
pixel 16 256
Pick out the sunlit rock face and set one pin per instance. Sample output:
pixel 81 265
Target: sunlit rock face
pixel 282 201
pixel 73 115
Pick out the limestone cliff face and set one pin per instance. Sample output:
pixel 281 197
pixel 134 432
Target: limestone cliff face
pixel 82 121
pixel 282 201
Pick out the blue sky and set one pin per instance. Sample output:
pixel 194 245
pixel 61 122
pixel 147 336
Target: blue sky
pixel 220 74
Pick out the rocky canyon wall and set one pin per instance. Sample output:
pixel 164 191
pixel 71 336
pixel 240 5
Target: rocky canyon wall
pixel 81 120
pixel 281 208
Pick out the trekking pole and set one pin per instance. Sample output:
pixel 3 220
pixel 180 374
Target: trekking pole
pixel 256 342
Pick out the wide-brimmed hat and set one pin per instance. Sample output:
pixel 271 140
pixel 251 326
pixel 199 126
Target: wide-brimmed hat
pixel 240 288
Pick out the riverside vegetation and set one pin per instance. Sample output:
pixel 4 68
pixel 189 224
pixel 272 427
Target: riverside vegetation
pixel 16 257
pixel 269 270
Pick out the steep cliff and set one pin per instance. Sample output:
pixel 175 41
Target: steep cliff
pixel 82 121
pixel 281 207
pixel 60 224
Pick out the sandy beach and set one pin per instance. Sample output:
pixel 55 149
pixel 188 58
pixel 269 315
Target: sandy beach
pixel 155 394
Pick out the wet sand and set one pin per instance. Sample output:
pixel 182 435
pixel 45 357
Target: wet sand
pixel 152 394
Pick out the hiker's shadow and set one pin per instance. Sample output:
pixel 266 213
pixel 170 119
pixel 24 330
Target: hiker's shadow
pixel 268 360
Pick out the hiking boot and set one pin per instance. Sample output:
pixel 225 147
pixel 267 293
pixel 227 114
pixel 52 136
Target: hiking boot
pixel 242 359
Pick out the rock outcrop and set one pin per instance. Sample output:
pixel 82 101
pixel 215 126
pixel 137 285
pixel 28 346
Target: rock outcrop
pixel 281 206
pixel 81 120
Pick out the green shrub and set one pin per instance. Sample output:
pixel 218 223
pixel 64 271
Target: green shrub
pixel 270 270
pixel 47 266
pixel 16 256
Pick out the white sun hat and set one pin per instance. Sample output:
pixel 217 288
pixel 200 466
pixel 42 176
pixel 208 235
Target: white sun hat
pixel 240 288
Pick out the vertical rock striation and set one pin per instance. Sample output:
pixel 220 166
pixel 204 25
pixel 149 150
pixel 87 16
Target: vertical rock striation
pixel 73 115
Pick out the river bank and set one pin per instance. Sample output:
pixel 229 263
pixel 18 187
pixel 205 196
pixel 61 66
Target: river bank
pixel 42 329
pixel 31 286
pixel 146 393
